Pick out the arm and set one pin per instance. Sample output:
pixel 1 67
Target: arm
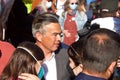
pixel 53 6
pixel 27 76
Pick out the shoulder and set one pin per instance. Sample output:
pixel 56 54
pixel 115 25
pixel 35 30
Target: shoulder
pixel 81 15
pixel 101 20
pixel 96 20
pixel 62 47
pixel 62 50
pixel 6 45
pixel 107 22
pixel 80 76
pixel 116 19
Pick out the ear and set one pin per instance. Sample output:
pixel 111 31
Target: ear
pixel 81 66
pixel 38 36
pixel 111 68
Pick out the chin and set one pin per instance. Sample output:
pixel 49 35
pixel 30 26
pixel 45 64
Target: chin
pixel 55 48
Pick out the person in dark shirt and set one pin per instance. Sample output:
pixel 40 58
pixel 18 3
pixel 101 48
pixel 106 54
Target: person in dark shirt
pixel 100 53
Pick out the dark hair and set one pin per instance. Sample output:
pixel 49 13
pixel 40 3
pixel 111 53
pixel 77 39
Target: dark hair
pixel 41 20
pixel 75 51
pixel 21 61
pixel 101 48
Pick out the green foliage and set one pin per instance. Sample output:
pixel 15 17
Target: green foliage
pixel 28 4
pixel 27 1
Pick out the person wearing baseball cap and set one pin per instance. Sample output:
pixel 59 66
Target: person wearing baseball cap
pixel 108 19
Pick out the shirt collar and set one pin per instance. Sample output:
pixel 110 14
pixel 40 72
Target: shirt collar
pixel 51 57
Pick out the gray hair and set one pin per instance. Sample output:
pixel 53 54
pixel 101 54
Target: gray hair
pixel 41 20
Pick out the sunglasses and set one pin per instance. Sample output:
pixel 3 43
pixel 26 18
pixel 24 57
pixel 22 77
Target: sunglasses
pixel 74 3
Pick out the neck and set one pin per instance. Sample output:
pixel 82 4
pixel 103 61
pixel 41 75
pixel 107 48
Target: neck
pixel 72 12
pixel 47 53
pixel 47 56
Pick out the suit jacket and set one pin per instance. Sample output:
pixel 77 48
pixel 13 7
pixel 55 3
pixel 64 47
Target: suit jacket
pixel 64 72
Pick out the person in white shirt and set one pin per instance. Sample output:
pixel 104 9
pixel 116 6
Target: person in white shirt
pixel 47 32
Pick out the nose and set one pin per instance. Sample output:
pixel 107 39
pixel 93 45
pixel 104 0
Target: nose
pixel 59 37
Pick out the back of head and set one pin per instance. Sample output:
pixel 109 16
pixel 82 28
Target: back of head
pixel 23 60
pixel 41 20
pixel 75 51
pixel 101 48
pixel 33 48
pixel 108 8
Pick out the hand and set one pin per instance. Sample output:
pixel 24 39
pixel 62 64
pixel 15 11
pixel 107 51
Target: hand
pixel 67 34
pixel 28 76
pixel 118 62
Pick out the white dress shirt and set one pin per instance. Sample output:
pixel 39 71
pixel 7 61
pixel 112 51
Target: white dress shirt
pixel 49 66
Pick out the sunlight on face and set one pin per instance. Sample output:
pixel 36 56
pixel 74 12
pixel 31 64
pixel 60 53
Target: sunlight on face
pixel 52 37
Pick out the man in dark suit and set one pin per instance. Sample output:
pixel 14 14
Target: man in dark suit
pixel 47 32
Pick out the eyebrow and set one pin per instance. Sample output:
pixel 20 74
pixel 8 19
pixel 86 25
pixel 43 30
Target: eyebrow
pixel 57 32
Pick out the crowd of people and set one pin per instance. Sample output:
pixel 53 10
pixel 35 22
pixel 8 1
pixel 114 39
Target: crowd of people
pixel 60 40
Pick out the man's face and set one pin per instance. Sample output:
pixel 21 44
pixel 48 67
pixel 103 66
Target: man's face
pixel 51 38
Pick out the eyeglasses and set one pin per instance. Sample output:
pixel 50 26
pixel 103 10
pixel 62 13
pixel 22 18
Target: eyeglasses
pixel 74 3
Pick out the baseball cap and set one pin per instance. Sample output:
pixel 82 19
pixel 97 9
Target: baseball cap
pixel 109 5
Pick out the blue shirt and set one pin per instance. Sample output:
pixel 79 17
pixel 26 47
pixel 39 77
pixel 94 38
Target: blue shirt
pixel 89 1
pixel 82 76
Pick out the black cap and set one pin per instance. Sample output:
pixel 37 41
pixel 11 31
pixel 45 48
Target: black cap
pixel 109 5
